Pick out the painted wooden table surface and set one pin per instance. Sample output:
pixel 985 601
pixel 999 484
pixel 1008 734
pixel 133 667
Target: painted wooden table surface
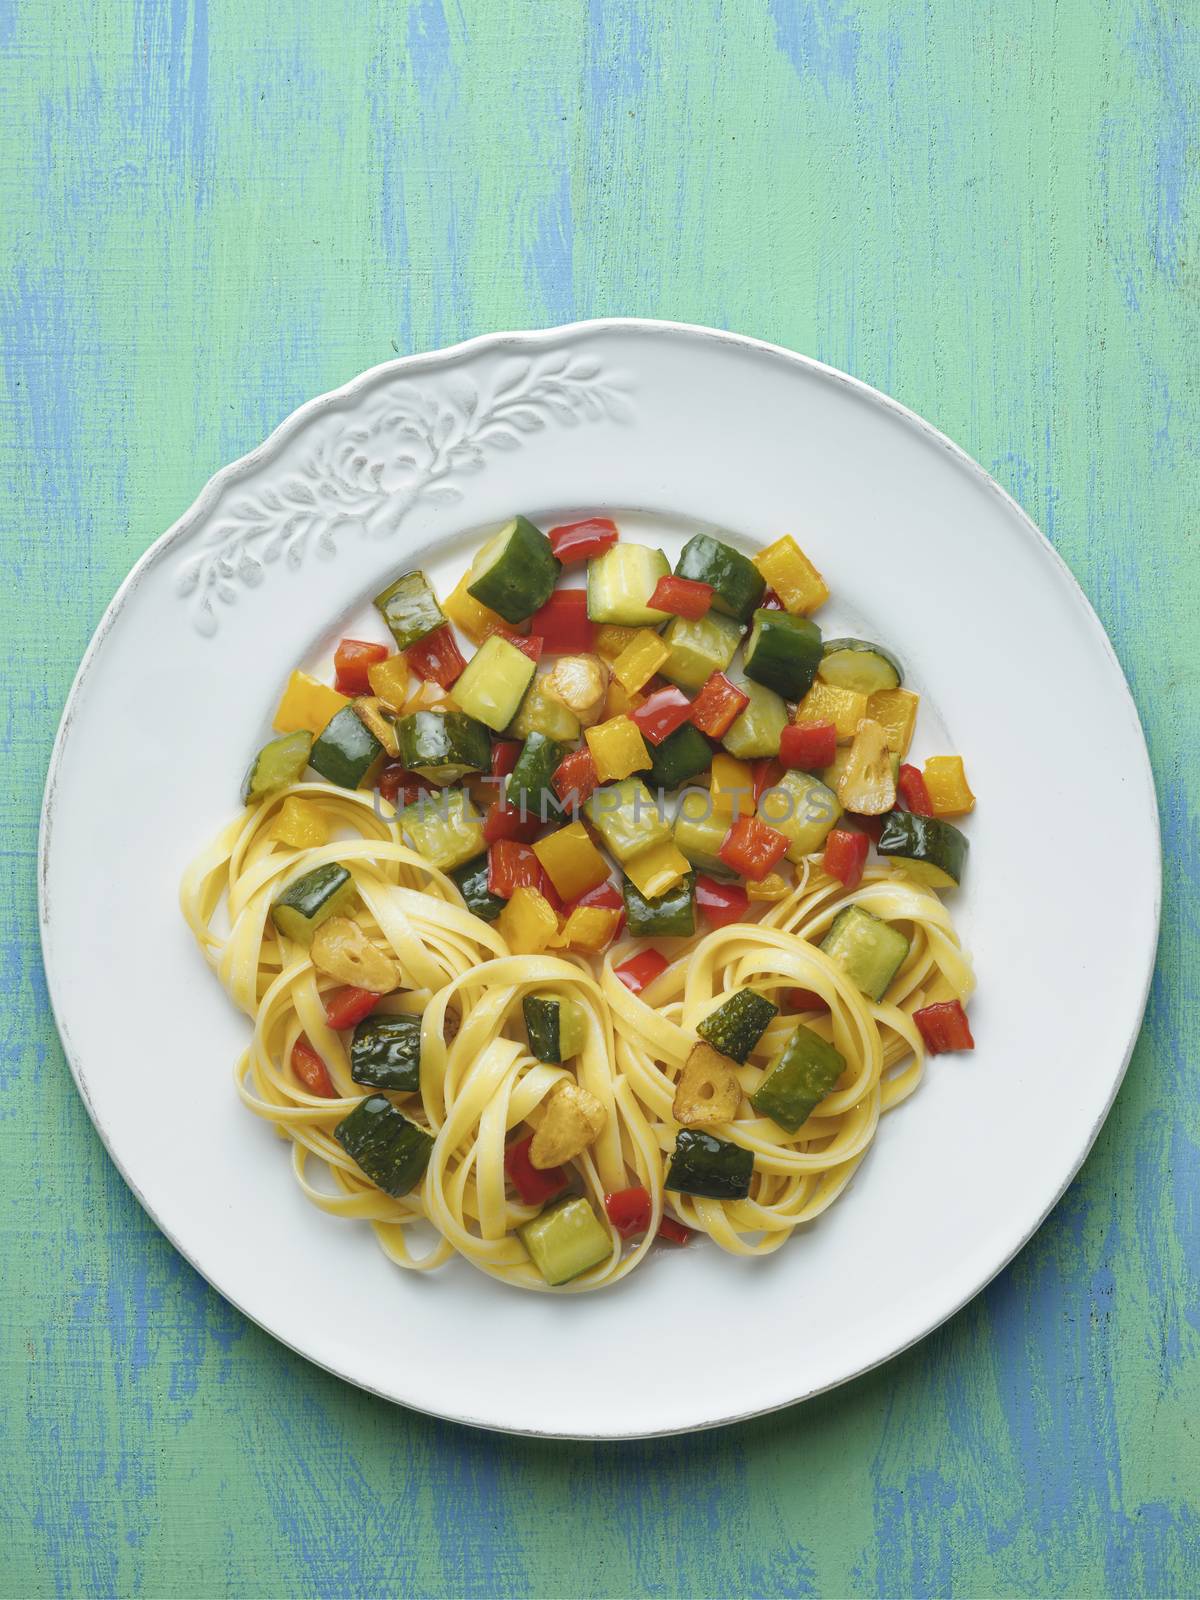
pixel 213 209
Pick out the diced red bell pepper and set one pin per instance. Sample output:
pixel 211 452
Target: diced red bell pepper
pixel 575 776
pixel 533 1184
pixel 721 903
pixel 770 602
pixel 662 714
pixel 944 1027
pixel 311 1070
pixel 681 597
pixel 504 756
pixel 502 821
pixel 628 1211
pixel 400 786
pixel 752 848
pixel 808 746
pixel 673 1232
pixel 563 623
pixel 846 856
pixel 436 658
pixel 529 644
pixel 606 895
pixel 352 660
pixel 579 541
pixel 910 786
pixel 718 705
pixel 765 774
pixel 512 865
pixel 804 1000
pixel 344 1007
pixel 641 970
pixel 871 826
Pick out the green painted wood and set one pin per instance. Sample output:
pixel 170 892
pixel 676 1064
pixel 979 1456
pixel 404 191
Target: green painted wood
pixel 211 210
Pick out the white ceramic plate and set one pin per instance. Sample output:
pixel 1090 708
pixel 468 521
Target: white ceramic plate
pixel 671 428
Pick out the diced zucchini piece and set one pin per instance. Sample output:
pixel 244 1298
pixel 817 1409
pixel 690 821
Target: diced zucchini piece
pixel 385 1052
pixel 410 608
pixel 530 779
pixel 783 653
pixel 391 1150
pixel 736 582
pixel 444 828
pixel 682 755
pixel 627 818
pixel 700 832
pixel 279 763
pixel 801 1075
pixel 347 752
pixel 493 683
pixel 566 1240
pixel 472 881
pixel 855 664
pixel 700 646
pixel 541 712
pixel 737 1025
pixel 705 1165
pixel 869 951
pixel 670 915
pixel 621 581
pixel 320 894
pixel 759 728
pixel 515 572
pixel 803 809
pixel 443 746
pixel 554 1026
pixel 931 850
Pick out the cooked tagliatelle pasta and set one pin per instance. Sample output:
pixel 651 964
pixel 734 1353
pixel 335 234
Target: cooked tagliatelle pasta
pixel 477 1042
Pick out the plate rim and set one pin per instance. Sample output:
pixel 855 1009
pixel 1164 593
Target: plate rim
pixel 448 355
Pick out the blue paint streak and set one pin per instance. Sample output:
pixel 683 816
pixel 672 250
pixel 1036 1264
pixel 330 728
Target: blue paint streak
pixel 428 40
pixel 821 38
pixel 617 49
pixel 1166 49
pixel 550 254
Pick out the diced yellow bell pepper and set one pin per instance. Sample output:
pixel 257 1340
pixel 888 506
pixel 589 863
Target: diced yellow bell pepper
pixel 300 824
pixel 896 712
pixel 792 576
pixel 389 680
pixel 571 860
pixel 589 928
pixel 640 659
pixel 618 749
pixel 773 887
pixel 825 702
pixel 528 924
pixel 611 639
pixel 652 872
pixel 307 703
pixel 949 792
pixel 428 696
pixel 732 786
pixel 476 621
pixel 618 702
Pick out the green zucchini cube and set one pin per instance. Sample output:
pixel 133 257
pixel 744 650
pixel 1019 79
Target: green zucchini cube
pixel 279 763
pixel 410 608
pixel 392 1151
pixel 566 1239
pixel 736 582
pixel 385 1052
pixel 715 1168
pixel 320 894
pixel 801 1075
pixel 347 752
pixel 554 1026
pixel 737 1025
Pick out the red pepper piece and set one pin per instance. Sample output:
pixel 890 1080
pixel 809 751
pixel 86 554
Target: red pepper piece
pixel 512 865
pixel 662 714
pixel 563 623
pixel 673 1232
pixel 681 597
pixel 846 856
pixel 345 1007
pixel 871 826
pixel 352 660
pixel 765 774
pixel 804 1000
pixel 575 776
pixel 529 644
pixel 752 848
pixel 808 746
pixel 311 1070
pixel 944 1027
pixel 579 541
pixel 533 1185
pixel 502 821
pixel 628 1211
pixel 605 895
pixel 718 705
pixel 436 658
pixel 721 903
pixel 504 756
pixel 400 786
pixel 640 970
pixel 770 602
pixel 911 788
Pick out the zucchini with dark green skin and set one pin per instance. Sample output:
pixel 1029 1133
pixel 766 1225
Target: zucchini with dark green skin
pixel 346 752
pixel 682 755
pixel 304 905
pixel 737 1025
pixel 391 1150
pixel 472 881
pixel 736 583
pixel 554 1026
pixel 515 572
pixel 704 1165
pixel 699 647
pixel 566 1239
pixel 277 764
pixel 385 1052
pixel 783 653
pixel 801 1075
pixel 410 608
pixel 930 849
pixel 530 779
pixel 671 915
pixel 621 581
pixel 443 746
pixel 869 951
pixel 856 664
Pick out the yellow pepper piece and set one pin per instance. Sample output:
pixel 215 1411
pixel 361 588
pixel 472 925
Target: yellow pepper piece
pixel 307 703
pixel 389 680
pixel 792 576
pixel 589 928
pixel 772 887
pixel 528 923
pixel 300 824
pixel 896 712
pixel 949 792
pixel 428 697
pixel 732 786
pixel 618 749
pixel 652 872
pixel 572 862
pixel 618 702
pixel 476 621
pixel 611 639
pixel 640 659
pixel 825 702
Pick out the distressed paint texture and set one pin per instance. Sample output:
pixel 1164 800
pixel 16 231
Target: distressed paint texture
pixel 213 209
